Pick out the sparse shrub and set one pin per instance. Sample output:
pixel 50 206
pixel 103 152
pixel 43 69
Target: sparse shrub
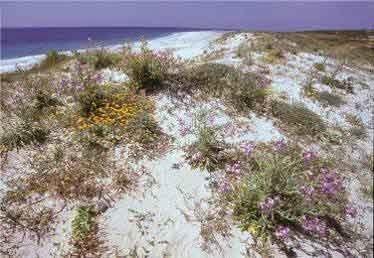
pixel 283 195
pixel 334 83
pixel 241 90
pixel 320 67
pixel 300 119
pixel 206 151
pixel 18 134
pixel 82 223
pixel 358 132
pixel 273 56
pixel 52 58
pixel 91 98
pixel 103 59
pixel 147 69
pixel 327 98
pixel 244 52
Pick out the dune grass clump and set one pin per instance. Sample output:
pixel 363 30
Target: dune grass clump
pixel 330 99
pixel 52 58
pixel 244 52
pixel 299 119
pixel 148 70
pixel 337 84
pixel 283 195
pixel 243 91
pixel 319 67
pixel 273 56
pixel 206 151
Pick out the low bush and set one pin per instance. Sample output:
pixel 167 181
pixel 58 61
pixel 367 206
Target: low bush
pixel 243 91
pixel 244 52
pixel 82 223
pixel 52 58
pixel 320 67
pixel 205 152
pixel 284 196
pixel 330 99
pixel 334 83
pixel 148 70
pixel 273 56
pixel 103 59
pixel 91 98
pixel 298 118
pixel 18 134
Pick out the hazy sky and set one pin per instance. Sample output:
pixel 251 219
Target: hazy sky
pixel 209 14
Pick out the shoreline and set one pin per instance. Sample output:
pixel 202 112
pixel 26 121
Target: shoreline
pixel 174 40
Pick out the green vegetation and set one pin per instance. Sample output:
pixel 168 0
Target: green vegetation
pixel 148 70
pixel 244 52
pixel 299 119
pixel 320 67
pixel 284 193
pixel 53 58
pixel 82 223
pixel 243 91
pixel 334 83
pixel 330 99
pixel 205 152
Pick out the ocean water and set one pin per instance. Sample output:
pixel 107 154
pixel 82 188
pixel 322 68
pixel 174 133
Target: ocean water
pixel 22 42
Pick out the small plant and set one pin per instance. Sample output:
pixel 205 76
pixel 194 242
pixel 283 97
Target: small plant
pixel 52 58
pixel 319 67
pixel 244 52
pixel 330 99
pixel 334 83
pixel 103 59
pixel 148 70
pixel 205 152
pixel 91 98
pixel 273 56
pixel 22 133
pixel 82 223
pixel 300 119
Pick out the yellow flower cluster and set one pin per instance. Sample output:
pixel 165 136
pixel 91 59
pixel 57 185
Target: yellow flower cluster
pixel 110 114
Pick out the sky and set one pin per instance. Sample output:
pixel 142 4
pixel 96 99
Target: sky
pixel 268 15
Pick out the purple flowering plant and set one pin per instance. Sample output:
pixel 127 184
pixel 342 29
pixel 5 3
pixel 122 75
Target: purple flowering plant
pixel 289 193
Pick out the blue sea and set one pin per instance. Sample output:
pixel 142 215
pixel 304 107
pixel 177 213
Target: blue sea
pixel 22 42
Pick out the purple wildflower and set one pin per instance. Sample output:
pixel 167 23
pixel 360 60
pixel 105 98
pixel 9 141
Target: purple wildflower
pixel 307 191
pixel 331 183
pixel 268 204
pixel 248 148
pixel 234 168
pixel 280 145
pixel 224 186
pixel 282 232
pixel 350 211
pixel 314 225
pixel 309 156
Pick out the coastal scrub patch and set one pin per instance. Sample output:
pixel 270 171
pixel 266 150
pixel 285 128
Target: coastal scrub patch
pixel 243 91
pixel 334 83
pixel 284 195
pixel 298 118
pixel 207 150
pixel 147 69
pixel 330 99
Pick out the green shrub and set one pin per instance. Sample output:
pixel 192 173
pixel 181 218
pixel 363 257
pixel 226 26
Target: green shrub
pixel 205 152
pixel 285 194
pixel 147 69
pixel 103 59
pixel 320 67
pixel 52 58
pixel 241 90
pixel 22 133
pixel 91 98
pixel 82 223
pixel 244 52
pixel 330 99
pixel 273 56
pixel 334 83
pixel 300 119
